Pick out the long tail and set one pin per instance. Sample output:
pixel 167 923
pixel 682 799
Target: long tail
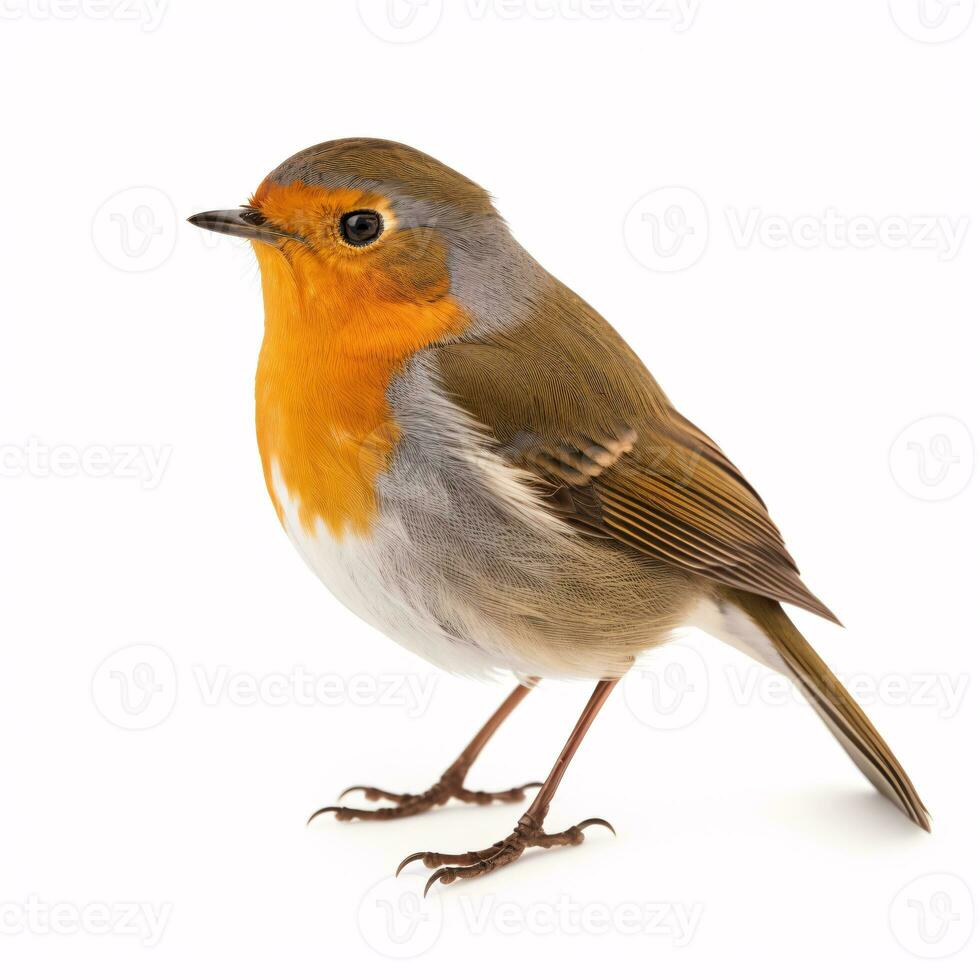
pixel 838 710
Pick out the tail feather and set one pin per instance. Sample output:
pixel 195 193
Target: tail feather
pixel 832 702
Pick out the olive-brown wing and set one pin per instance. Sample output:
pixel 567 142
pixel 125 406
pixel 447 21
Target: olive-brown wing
pixel 615 458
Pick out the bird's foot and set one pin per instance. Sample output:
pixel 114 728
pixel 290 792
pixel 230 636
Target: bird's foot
pixel 449 787
pixel 474 864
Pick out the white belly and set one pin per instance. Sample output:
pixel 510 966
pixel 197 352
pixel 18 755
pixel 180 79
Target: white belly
pixel 363 573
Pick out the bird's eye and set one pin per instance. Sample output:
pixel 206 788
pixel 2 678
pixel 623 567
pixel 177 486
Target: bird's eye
pixel 253 217
pixel 361 227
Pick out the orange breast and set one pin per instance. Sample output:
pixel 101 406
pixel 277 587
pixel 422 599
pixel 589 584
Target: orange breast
pixel 336 333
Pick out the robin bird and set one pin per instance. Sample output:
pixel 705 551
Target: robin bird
pixel 474 461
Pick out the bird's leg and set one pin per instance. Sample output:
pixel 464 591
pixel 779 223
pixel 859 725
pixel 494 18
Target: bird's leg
pixel 529 831
pixel 449 785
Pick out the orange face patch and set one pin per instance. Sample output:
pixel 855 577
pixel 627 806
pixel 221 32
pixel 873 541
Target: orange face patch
pixel 340 322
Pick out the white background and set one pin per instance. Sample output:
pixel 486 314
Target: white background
pixel 747 842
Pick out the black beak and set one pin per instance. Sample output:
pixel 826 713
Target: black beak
pixel 242 223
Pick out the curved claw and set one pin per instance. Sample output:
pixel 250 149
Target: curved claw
pixel 446 875
pixel 366 790
pixel 411 857
pixel 596 822
pixel 373 793
pixel 326 809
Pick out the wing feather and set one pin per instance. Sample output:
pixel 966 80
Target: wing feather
pixel 577 409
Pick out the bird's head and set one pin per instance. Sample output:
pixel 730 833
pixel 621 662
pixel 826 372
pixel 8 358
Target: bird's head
pixel 370 240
